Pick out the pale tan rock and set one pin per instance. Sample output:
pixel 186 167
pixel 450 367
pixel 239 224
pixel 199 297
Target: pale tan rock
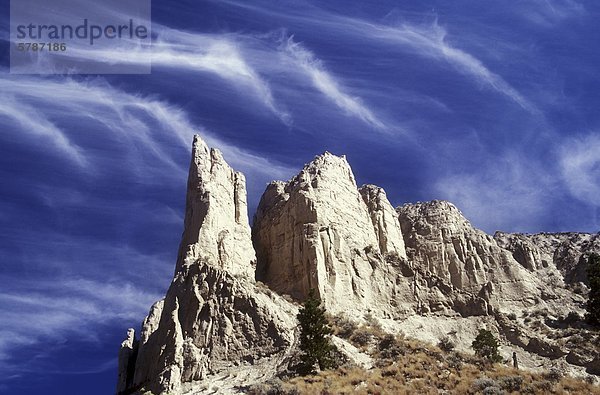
pixel 214 316
pixel 316 231
pixel 385 220
pixel 565 252
pixel 216 228
pixel 151 321
pixel 440 240
pixel 422 269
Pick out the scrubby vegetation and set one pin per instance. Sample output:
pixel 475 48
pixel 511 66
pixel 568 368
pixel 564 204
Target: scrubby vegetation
pixel 486 346
pixel 403 365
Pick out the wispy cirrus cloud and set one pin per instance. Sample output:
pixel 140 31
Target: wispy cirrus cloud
pixel 579 160
pixel 549 13
pixel 220 55
pixel 509 193
pixel 30 119
pixel 35 102
pixel 428 40
pixel 432 41
pixel 326 83
pixel 61 309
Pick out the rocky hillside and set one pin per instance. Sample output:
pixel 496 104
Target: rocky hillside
pixel 421 270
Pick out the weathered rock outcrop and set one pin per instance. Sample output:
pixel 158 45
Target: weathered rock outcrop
pixel 216 229
pixel 317 231
pixel 441 240
pixel 422 269
pixel 566 252
pixel 127 357
pixel 320 231
pixel 214 315
pixel 385 220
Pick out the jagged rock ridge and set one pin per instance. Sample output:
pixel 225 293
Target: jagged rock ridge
pixel 422 269
pixel 319 231
pixel 214 316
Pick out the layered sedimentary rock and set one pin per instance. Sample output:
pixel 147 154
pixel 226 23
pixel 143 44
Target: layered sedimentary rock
pixel 317 231
pixel 214 315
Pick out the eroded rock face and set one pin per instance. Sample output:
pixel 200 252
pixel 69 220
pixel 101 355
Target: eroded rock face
pixel 214 315
pixel 410 268
pixel 216 229
pixel 441 240
pixel 212 321
pixel 318 231
pixel 567 252
pixel 385 220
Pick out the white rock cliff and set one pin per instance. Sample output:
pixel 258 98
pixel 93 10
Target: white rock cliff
pixel 422 269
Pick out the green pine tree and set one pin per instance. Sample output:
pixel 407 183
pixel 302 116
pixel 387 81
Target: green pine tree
pixel 315 342
pixel 486 346
pixel 593 304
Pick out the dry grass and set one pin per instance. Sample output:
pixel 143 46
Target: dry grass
pixel 408 366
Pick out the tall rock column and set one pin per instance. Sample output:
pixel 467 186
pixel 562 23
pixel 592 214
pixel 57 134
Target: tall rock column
pixel 216 228
pixel 214 317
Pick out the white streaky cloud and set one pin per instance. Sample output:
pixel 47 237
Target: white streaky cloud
pixel 579 161
pixel 326 83
pixel 431 41
pixel 510 194
pixel 64 308
pixel 31 120
pixel 127 116
pixel 426 40
pixel 219 55
pixel 548 13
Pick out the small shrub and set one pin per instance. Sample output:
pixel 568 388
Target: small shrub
pixel 271 387
pixel 482 383
pixel 361 336
pixel 454 361
pixel 372 321
pixel 486 346
pixel 389 347
pixel 544 386
pixel 344 327
pixel 389 372
pixel 554 374
pixel 446 344
pixel 512 316
pixel 511 383
pixel 493 391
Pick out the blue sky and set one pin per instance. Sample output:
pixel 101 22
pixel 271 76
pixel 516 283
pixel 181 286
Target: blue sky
pixel 491 105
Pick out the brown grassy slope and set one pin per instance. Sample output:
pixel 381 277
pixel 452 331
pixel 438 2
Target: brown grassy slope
pixel 408 366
